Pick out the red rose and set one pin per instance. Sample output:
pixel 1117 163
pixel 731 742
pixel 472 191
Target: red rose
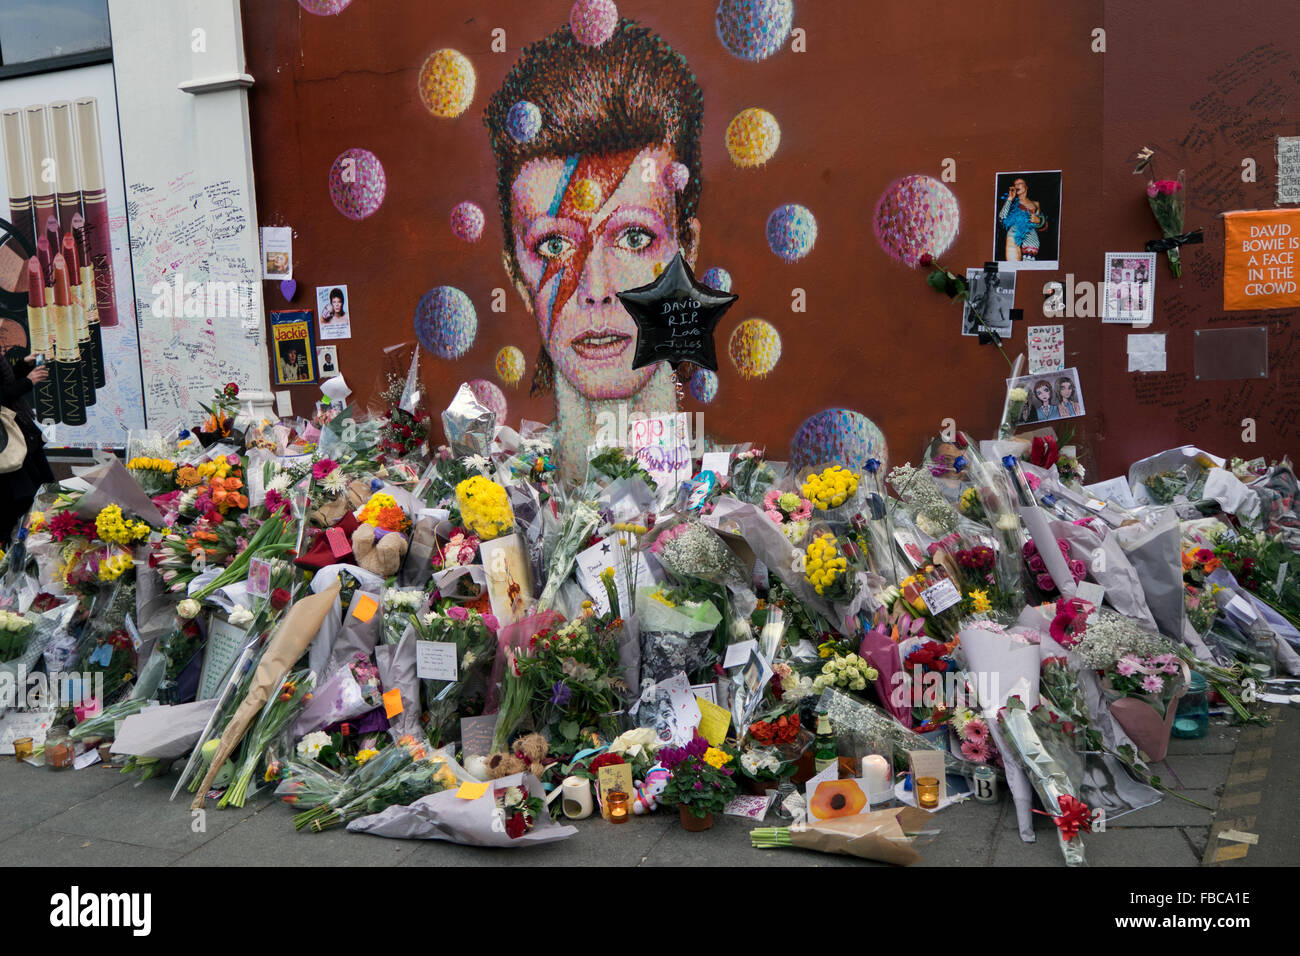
pixel 516 826
pixel 605 760
pixel 231 389
pixel 279 599
pixel 925 261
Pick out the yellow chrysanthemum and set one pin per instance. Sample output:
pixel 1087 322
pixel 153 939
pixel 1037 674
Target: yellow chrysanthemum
pixel 484 507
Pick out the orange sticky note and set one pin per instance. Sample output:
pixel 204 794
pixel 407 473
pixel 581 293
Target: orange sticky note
pixel 471 791
pixel 366 608
pixel 393 702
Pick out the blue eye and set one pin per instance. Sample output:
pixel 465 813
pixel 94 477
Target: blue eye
pixel 554 247
pixel 635 238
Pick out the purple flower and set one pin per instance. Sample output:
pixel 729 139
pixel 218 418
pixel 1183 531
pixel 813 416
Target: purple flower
pixel 873 465
pixel 560 694
pixel 698 785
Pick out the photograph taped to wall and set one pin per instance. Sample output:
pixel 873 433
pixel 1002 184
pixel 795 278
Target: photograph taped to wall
pixel 294 347
pixel 992 296
pixel 277 252
pixel 1027 219
pixel 327 360
pixel 1051 396
pixel 335 311
pixel 1129 289
pixel 60 159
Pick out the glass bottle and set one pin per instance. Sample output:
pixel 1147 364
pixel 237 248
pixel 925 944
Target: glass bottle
pixel 1193 717
pixel 825 753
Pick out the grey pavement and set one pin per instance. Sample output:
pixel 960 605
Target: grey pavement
pixel 99 816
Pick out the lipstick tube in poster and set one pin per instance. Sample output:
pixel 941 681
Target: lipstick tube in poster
pixel 20 193
pixel 67 188
pixel 79 321
pixel 40 166
pixel 67 361
pixel 94 202
pixel 88 303
pixel 53 239
pixel 41 344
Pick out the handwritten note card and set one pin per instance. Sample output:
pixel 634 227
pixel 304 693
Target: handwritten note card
pixel 1046 348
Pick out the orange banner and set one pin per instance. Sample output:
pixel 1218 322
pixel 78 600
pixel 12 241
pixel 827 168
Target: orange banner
pixel 1259 260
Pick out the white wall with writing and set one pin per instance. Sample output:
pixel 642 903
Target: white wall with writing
pixel 190 202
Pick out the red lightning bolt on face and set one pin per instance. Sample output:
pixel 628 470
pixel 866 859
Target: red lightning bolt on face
pixel 607 172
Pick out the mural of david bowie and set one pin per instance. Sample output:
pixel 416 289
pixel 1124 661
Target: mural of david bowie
pixel 588 214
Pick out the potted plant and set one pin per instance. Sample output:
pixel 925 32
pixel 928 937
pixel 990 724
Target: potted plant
pixel 700 781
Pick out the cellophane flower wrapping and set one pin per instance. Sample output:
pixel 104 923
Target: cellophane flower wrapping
pixel 579 523
pixel 1168 201
pixel 477 822
pixel 1047 754
pixel 673 637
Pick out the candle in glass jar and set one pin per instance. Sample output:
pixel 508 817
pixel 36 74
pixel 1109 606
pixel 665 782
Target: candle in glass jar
pixel 618 808
pixel 927 792
pixel 876 771
pixel 22 747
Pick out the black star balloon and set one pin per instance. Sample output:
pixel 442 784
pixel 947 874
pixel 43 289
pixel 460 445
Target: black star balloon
pixel 675 318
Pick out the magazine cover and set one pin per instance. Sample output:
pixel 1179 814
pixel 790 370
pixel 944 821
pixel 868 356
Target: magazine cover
pixel 295 347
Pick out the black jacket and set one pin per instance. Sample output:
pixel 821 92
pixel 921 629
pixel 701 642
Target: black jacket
pixel 27 480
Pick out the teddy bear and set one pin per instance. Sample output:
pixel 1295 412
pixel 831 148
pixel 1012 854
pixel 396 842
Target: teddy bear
pixel 379 552
pixel 329 514
pixel 529 755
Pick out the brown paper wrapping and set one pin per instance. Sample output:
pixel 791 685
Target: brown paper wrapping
pixel 290 640
pixel 877 835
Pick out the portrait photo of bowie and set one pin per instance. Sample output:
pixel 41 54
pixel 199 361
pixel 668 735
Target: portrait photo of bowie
pixel 1027 219
pixel 588 211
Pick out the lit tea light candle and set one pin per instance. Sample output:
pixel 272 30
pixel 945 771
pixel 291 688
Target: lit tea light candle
pixel 927 793
pixel 618 806
pixel 22 747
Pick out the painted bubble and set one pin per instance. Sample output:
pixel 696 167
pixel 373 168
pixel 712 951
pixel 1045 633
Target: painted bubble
pixel 752 137
pixel 524 121
pixel 704 385
pixel 489 396
pixel 791 231
pixel 445 322
pixel 754 29
pixel 716 278
pixel 467 222
pixel 839 436
pixel 510 365
pixel 357 183
pixel 447 83
pixel 914 216
pixel 755 346
pixel 593 21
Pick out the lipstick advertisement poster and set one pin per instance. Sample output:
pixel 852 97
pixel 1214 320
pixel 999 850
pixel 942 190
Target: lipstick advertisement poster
pixel 294 345
pixel 61 166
